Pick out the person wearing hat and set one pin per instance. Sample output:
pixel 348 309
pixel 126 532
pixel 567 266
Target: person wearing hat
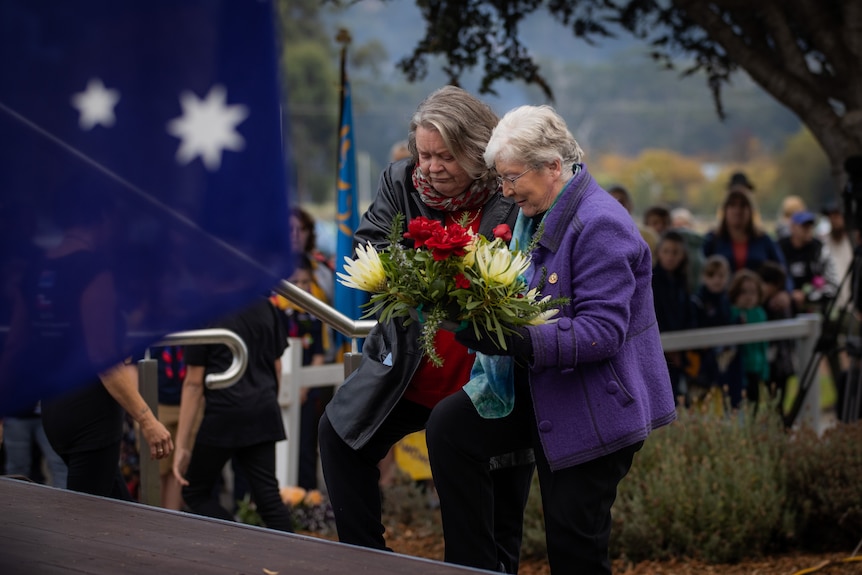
pixel 739 179
pixel 808 265
pixel 738 237
pixel 789 206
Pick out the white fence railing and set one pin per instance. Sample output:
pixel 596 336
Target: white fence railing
pixel 295 376
pixel 805 329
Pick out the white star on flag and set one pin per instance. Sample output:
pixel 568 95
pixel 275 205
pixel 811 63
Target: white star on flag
pixel 96 105
pixel 207 127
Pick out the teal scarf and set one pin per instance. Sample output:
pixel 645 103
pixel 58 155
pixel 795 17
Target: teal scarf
pixel 492 380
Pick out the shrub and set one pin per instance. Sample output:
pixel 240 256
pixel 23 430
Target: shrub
pixel 410 503
pixel 704 487
pixel 824 483
pixel 707 488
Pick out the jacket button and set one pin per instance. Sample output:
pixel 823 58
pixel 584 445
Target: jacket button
pixel 564 324
pixel 612 387
pixel 545 426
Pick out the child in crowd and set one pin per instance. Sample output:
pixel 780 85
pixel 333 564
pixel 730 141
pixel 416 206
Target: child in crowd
pixel 658 219
pixel 712 309
pixel 672 301
pixel 746 297
pixel 781 361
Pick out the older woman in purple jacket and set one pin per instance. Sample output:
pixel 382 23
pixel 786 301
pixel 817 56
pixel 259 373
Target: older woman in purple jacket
pixel 587 389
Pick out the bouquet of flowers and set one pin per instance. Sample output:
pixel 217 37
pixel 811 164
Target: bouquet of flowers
pixel 450 278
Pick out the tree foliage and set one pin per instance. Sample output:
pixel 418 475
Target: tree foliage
pixel 805 53
pixel 310 78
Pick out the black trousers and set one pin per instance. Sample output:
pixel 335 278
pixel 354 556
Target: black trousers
pixel 309 422
pixel 258 463
pixel 97 472
pixel 576 500
pixel 352 485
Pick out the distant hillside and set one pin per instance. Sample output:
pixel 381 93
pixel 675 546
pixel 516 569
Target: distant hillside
pixel 613 96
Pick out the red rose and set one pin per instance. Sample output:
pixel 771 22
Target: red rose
pixel 503 232
pixel 461 281
pixel 451 241
pixel 421 229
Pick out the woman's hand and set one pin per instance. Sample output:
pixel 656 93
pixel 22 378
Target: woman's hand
pixel 181 465
pixel 518 344
pixel 157 437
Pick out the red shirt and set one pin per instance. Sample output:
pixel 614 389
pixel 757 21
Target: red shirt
pixel 431 384
pixel 740 254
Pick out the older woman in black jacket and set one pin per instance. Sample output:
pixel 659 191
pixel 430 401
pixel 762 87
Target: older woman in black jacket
pixel 395 388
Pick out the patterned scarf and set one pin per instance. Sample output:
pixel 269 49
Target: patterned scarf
pixel 474 197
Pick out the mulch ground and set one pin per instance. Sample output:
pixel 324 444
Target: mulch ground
pixel 426 542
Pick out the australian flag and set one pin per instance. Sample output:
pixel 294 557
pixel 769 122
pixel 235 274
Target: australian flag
pixel 142 179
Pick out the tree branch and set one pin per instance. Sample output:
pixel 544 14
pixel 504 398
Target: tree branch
pixel 786 43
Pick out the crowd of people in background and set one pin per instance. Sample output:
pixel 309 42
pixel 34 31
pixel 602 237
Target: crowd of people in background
pixel 734 271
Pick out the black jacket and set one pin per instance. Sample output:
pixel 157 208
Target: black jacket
pixel 390 354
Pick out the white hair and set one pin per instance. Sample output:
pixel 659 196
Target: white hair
pixel 533 135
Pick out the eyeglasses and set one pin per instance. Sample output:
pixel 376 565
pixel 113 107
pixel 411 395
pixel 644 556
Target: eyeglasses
pixel 503 179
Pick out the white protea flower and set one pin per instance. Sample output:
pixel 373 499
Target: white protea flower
pixel 532 295
pixel 366 272
pixel 500 266
pixel 546 316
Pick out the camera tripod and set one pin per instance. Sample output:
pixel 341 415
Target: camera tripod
pixel 850 391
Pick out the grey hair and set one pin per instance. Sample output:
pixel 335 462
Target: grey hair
pixel 465 124
pixel 533 135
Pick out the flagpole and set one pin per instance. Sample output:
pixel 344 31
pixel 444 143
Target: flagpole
pixel 343 37
pixel 346 301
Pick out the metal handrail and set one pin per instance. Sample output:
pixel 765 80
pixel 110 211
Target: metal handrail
pixel 325 313
pixel 235 344
pixel 803 326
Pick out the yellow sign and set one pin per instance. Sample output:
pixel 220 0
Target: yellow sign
pixel 411 456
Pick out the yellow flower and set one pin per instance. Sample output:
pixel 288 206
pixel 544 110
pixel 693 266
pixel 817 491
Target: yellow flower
pixel 313 497
pixel 500 266
pixel 292 495
pixel 366 272
pixel 470 250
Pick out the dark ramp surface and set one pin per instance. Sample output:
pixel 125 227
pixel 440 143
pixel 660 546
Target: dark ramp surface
pixel 47 530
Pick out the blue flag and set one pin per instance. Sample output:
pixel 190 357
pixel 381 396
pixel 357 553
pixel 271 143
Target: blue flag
pixel 347 300
pixel 142 179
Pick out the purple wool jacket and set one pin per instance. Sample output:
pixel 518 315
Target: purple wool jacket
pixel 598 378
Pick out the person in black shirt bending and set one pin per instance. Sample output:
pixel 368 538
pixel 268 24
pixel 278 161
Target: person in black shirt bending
pixel 242 421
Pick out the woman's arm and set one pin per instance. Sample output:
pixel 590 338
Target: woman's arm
pixel 121 381
pixel 99 324
pixel 191 402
